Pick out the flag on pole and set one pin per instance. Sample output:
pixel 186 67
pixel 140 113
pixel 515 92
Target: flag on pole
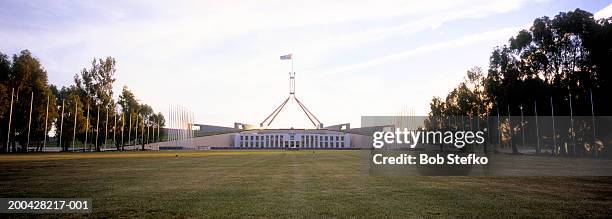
pixel 286 57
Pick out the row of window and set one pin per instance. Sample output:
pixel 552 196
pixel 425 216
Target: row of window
pixel 322 137
pixel 279 141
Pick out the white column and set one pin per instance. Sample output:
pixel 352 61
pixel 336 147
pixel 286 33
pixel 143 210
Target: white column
pixel 61 127
pixel 29 122
pixel 46 118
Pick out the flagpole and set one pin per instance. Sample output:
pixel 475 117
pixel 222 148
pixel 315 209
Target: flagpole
pixel 76 104
pixel 593 121
pixel 537 127
pixel 61 127
pixel 29 122
pixel 129 127
pixel 510 129
pixel 122 128
pixel 86 128
pixel 552 111
pixel 46 118
pixel 8 135
pixel 499 134
pixel 522 124
pixel 114 127
pixel 97 129
pixel 572 122
pixel 142 131
pixel 158 124
pixel 148 132
pixel 106 129
pixel 137 126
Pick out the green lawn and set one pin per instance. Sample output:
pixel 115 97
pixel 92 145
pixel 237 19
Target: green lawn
pixel 286 184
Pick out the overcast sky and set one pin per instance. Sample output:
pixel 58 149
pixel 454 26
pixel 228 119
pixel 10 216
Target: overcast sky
pixel 221 58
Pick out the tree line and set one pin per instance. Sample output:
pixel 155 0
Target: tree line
pixel 83 115
pixel 560 66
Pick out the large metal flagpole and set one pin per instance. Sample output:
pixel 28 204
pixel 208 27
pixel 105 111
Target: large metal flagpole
pixel 8 135
pixel 510 129
pixel 175 134
pixel 183 126
pixel 179 130
pixel 122 128
pixel 177 120
pixel 129 127
pixel 499 134
pixel 75 120
pixel 593 121
pixel 191 131
pixel 552 111
pixel 97 128
pixel 148 132
pixel 46 118
pixel 61 127
pixel 522 125
pixel 170 122
pixel 86 128
pixel 106 129
pixel 178 127
pixel 115 127
pixel 29 122
pixel 572 122
pixel 186 124
pixel 537 126
pixel 292 96
pixel 137 126
pixel 142 130
pixel 175 125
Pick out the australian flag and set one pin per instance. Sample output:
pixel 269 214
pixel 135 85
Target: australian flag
pixel 286 57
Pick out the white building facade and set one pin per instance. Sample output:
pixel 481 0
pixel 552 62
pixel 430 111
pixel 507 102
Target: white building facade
pixel 292 138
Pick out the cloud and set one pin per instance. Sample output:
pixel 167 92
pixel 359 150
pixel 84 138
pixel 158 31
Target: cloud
pixel 195 49
pixel 460 42
pixel 604 12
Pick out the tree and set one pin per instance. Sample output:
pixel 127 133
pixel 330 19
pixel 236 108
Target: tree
pixel 27 77
pixel 73 106
pixel 5 68
pixel 92 89
pixel 158 121
pixel 129 108
pixel 564 58
pixel 145 111
pixel 95 86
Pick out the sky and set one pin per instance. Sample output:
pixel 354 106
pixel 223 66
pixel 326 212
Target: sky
pixel 220 59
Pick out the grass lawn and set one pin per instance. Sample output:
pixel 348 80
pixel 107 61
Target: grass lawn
pixel 285 184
